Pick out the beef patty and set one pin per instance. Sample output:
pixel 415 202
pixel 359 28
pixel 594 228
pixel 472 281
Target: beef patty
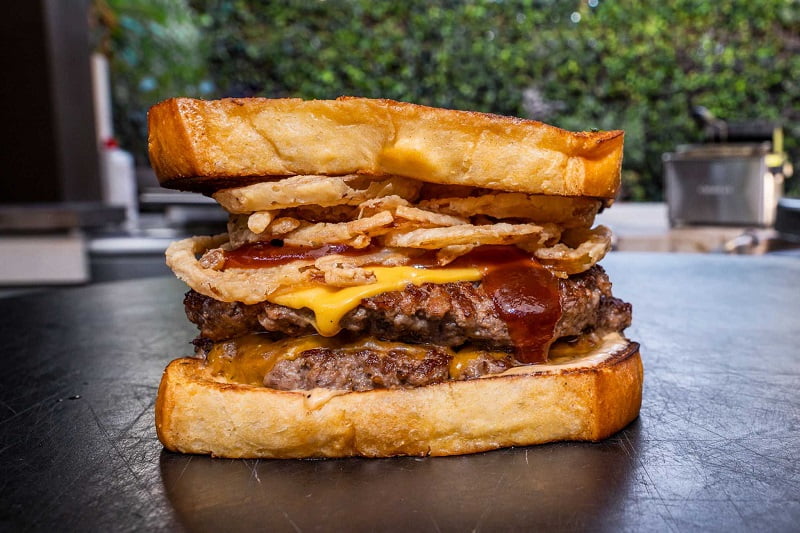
pixel 359 370
pixel 449 314
pixel 370 369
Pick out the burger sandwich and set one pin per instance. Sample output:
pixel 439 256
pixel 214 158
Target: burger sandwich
pixel 395 280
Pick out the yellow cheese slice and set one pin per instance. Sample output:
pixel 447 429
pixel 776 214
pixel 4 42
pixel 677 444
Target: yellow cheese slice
pixel 330 304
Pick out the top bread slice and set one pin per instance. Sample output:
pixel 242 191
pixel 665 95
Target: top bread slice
pixel 207 145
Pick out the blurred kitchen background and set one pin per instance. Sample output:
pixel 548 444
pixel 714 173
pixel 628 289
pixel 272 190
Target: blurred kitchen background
pixel 708 93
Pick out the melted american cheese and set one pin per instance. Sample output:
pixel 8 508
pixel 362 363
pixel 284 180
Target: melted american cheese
pixel 330 304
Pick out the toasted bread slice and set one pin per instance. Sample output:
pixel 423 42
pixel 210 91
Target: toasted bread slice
pixel 207 145
pixel 585 399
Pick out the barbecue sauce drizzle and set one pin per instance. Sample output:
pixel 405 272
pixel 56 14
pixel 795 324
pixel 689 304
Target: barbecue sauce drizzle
pixel 525 294
pixel 267 254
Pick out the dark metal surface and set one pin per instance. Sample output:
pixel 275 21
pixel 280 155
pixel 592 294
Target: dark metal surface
pixel 787 220
pixel 716 447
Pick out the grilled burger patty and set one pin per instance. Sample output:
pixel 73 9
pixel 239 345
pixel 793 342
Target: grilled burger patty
pixel 370 369
pixel 359 370
pixel 449 314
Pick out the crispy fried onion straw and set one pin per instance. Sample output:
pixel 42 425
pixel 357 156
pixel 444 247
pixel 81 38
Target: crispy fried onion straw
pixel 256 285
pixel 359 211
pixel 317 190
pixel 565 211
pixel 579 250
pixel 467 234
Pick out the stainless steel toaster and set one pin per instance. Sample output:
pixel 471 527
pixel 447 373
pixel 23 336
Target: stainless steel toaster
pixel 721 184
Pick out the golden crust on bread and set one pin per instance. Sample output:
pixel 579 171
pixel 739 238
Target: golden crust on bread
pixel 208 145
pixel 196 413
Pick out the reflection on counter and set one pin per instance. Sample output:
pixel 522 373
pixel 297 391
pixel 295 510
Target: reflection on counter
pixel 538 487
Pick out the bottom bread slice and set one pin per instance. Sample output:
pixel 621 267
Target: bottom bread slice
pixel 584 399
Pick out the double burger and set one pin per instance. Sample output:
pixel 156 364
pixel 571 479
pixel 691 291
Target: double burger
pixel 395 280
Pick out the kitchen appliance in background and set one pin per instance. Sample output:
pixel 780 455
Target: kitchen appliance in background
pixel 735 179
pixel 118 175
pixel 51 195
pixel 117 169
pixel 787 220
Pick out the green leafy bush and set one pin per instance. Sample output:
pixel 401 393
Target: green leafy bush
pixel 156 51
pixel 638 66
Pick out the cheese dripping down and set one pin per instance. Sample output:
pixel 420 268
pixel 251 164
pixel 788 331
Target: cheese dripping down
pixel 330 304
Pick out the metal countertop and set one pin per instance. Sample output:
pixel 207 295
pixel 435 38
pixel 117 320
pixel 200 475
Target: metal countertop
pixel 716 447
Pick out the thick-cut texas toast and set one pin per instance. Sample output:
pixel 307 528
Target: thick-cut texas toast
pixel 208 145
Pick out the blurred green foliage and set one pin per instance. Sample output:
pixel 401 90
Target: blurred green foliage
pixel 638 66
pixel 156 50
